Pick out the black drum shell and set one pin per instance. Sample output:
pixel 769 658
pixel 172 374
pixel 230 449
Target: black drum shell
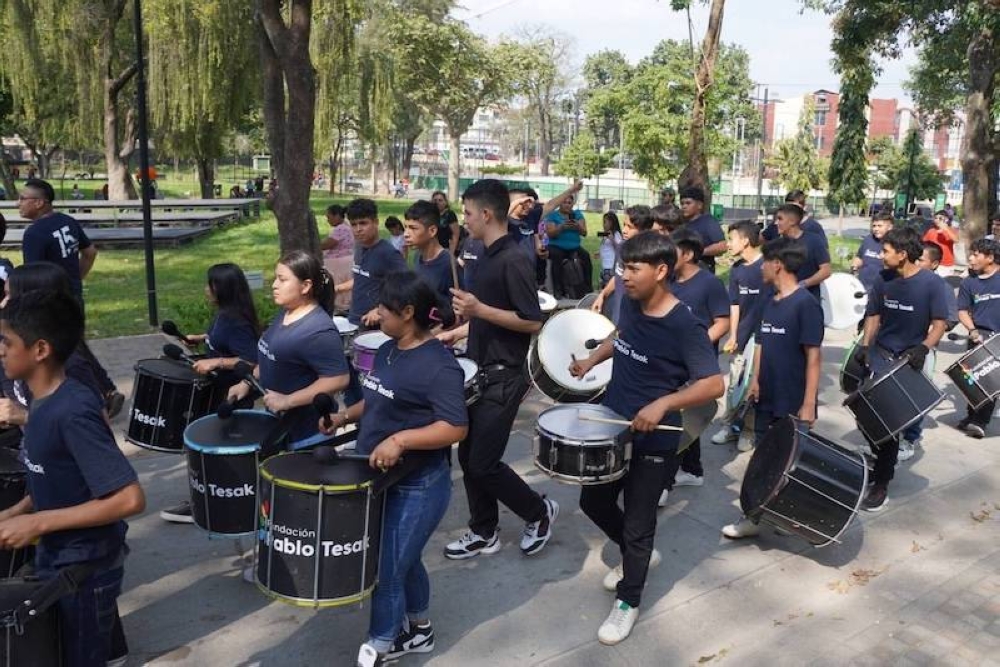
pixel 885 405
pixel 803 483
pixel 40 644
pixel 978 391
pixel 584 464
pixel 168 390
pixel 13 484
pixel 323 509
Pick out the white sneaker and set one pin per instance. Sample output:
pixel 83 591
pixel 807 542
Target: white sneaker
pixel 662 502
pixel 746 441
pixel 687 479
pixel 742 528
pixel 616 574
pixel 723 435
pixel 470 544
pixel 619 623
pixel 906 451
pixel 250 574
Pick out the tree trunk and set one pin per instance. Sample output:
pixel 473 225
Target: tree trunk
pixel 544 140
pixel 454 148
pixel 696 171
pixel 287 71
pixel 408 143
pixel 120 185
pixel 10 188
pixel 978 160
pixel 206 177
pixel 994 176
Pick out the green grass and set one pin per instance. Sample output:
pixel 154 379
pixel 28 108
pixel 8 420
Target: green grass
pixel 115 290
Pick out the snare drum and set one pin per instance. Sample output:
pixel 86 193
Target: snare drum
pixel 551 354
pixel 473 383
pixel 844 300
pixel 222 457
pixel 320 530
pixel 13 476
pixel 37 643
pixel 977 372
pixel 347 332
pixel 572 450
pixel 740 375
pixel 802 483
pixel 166 397
pixel 364 348
pixel 886 404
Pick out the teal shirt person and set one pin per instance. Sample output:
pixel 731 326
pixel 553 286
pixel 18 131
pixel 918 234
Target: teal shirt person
pixel 568 238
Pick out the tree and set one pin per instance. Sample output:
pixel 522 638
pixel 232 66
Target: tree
pixel 796 159
pixel 582 159
pixel 848 174
pixel 534 63
pixel 210 41
pixel 910 170
pixel 6 113
pixel 605 74
pixel 449 72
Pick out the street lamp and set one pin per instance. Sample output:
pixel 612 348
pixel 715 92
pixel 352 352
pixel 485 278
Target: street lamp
pixel 143 132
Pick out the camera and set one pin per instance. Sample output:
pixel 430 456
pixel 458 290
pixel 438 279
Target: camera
pixel 602 234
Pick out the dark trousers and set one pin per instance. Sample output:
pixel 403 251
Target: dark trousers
pixel 488 480
pixel 983 415
pixel 762 421
pixel 634 527
pixel 557 256
pixel 691 459
pixel 886 453
pixel 541 271
pixel 91 628
pixel 105 382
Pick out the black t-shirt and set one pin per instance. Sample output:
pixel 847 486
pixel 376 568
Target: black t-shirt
pixel 787 327
pixel 710 231
pixel 981 297
pixel 817 254
pixel 646 367
pixel 505 279
pixel 371 266
pixel 72 458
pixel 906 306
pixel 411 389
pixel 57 238
pixel 748 290
pixel 447 219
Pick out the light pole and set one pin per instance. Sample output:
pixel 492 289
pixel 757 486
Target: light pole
pixel 143 132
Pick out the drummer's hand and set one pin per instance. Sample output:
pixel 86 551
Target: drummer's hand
pixel 598 304
pixel 648 418
pixel 238 392
pixel 276 402
pixel 450 336
pixel 387 454
pixel 465 304
pixel 580 367
pixel 206 366
pixel 10 412
pixel 753 391
pixel 807 413
pixel 329 424
pixel 20 531
pixel 861 355
pixel 730 345
pixel 975 337
pixel 371 318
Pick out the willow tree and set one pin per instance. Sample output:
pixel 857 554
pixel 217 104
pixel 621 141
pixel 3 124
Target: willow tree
pixel 201 67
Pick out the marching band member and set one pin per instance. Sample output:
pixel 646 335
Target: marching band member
pixel 650 383
pixel 788 359
pixel 413 408
pixel 638 219
pixel 905 318
pixel 374 258
pixel 979 313
pixel 816 267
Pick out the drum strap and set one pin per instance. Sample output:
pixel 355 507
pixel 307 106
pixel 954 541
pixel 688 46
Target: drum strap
pixel 47 594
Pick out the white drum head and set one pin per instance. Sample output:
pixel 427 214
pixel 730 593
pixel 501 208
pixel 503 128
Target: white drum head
pixel 371 340
pixel 546 301
pixel 469 368
pixel 842 309
pixel 563 337
pixel 344 325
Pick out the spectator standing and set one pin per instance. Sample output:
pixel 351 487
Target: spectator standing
pixel 566 228
pixel 338 253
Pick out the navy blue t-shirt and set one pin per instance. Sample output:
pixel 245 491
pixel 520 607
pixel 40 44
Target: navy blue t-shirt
pixel 524 234
pixel 411 389
pixel 371 266
pixel 705 295
pixel 981 297
pixel 72 458
pixel 293 356
pixel 57 238
pixel 710 231
pixel 787 326
pixel 817 254
pixel 870 254
pixel 809 225
pixel 748 290
pixel 646 368
pixel 436 273
pixel 906 306
pixel 230 336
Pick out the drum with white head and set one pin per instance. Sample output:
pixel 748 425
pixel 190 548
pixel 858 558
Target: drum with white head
pixel 564 337
pixel 844 300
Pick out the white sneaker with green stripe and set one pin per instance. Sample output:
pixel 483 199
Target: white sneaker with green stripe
pixel 618 624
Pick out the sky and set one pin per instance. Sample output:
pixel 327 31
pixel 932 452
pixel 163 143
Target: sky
pixel 789 50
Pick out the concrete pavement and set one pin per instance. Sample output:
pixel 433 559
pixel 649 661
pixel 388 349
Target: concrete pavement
pixel 914 584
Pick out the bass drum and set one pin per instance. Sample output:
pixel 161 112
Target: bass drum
pixel 844 300
pixel 563 337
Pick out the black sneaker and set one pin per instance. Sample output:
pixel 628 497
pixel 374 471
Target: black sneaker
pixel 114 402
pixel 537 533
pixel 412 639
pixel 975 431
pixel 876 498
pixel 180 513
pixel 962 425
pixel 470 544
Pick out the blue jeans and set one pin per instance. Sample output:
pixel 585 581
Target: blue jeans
pixel 413 509
pixel 89 618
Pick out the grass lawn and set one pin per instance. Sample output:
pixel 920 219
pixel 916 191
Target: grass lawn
pixel 115 291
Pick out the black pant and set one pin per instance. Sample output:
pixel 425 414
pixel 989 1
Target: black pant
pixel 691 459
pixel 983 415
pixel 105 382
pixel 633 528
pixel 487 478
pixel 541 271
pixel 557 257
pixel 886 453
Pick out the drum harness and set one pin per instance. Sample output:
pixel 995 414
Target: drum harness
pixel 66 582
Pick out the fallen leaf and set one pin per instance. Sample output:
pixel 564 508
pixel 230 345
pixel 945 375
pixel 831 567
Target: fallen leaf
pixel 839 586
pixel 706 658
pixel 979 517
pixel 862 577
pixel 917 547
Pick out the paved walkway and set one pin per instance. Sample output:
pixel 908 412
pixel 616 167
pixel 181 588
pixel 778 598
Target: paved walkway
pixel 915 584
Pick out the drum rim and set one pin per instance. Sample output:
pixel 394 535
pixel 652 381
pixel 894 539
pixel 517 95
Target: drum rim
pixel 536 346
pixel 562 407
pixel 309 488
pixel 194 379
pixel 314 603
pixel 218 449
pixel 356 343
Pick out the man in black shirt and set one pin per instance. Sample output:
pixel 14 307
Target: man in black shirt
pixel 502 313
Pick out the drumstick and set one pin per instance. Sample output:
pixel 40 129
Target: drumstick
pixel 454 274
pixel 623 422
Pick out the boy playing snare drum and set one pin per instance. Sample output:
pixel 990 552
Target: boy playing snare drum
pixel 979 312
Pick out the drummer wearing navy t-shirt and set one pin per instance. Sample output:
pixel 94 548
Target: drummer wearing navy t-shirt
pixel 433 263
pixel 650 383
pixel 905 318
pixel 300 354
pixel 374 258
pixel 413 410
pixel 705 225
pixel 708 300
pixel 809 224
pixel 867 263
pixel 816 267
pixel 979 313
pixel 787 363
